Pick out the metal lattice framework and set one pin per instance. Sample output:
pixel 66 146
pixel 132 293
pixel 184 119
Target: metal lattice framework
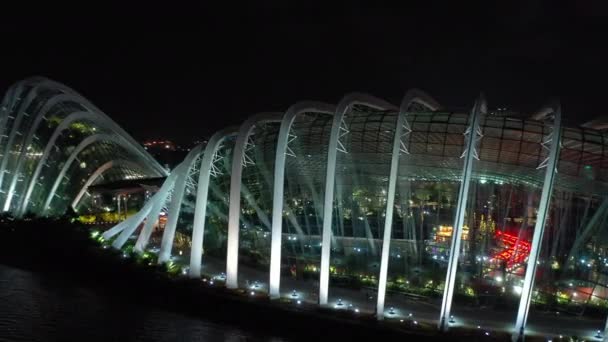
pixel 317 151
pixel 55 144
pixel 362 189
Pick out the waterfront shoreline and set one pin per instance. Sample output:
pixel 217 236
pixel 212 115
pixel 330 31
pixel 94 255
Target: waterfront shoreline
pixel 59 249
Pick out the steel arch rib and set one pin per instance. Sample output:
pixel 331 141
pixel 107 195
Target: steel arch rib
pixel 31 95
pixel 13 95
pixel 131 221
pixel 65 123
pixel 279 185
pixel 157 206
pixel 28 140
pixel 38 84
pixel 202 191
pixel 586 230
pixel 83 144
pixel 343 107
pixel 95 117
pixel 478 109
pixel 128 226
pixel 412 96
pixel 100 170
pixel 115 127
pixel 539 226
pixel 151 218
pixel 7 103
pixel 234 211
pixel 70 95
pixel 176 203
pixel 76 97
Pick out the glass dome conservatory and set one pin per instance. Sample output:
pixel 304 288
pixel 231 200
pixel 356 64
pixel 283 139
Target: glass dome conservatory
pixel 54 144
pixel 464 219
pixel 447 216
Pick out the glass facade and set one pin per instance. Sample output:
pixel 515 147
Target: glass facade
pixel 53 143
pixel 507 175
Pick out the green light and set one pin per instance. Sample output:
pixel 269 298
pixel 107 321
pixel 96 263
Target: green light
pixel 483 181
pixel 588 167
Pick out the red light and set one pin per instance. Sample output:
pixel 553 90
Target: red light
pixel 516 252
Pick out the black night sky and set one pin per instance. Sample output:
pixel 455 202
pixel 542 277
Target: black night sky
pixel 165 70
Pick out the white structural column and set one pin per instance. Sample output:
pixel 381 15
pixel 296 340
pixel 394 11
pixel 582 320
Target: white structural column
pixel 100 170
pixel 177 183
pixel 110 123
pixel 554 139
pixel 63 93
pixel 83 144
pixel 152 217
pixel 176 203
pixel 470 152
pixel 132 221
pixel 98 116
pixel 65 123
pixel 32 129
pixel 32 94
pixel 202 190
pixel 401 130
pixel 128 226
pixel 332 155
pixel 239 159
pixel 583 236
pixel 279 186
pixel 8 102
pixel 100 121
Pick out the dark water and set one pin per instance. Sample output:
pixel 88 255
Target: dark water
pixel 37 307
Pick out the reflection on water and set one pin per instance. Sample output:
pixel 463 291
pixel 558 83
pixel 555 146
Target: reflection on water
pixel 34 307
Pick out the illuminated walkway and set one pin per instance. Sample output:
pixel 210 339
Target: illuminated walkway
pixel 423 310
pixel 342 180
pixel 469 200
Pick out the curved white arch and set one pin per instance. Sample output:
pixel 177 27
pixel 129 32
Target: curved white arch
pixel 83 144
pixel 72 95
pixel 479 109
pixel 128 226
pixel 40 115
pixel 32 94
pixel 12 96
pixel 100 170
pixel 64 94
pixel 101 121
pixel 279 185
pixel 176 203
pixel 539 226
pixel 343 107
pixel 412 96
pixel 202 191
pixel 7 104
pixel 234 211
pixel 65 123
pixel 158 203
pixel 91 107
